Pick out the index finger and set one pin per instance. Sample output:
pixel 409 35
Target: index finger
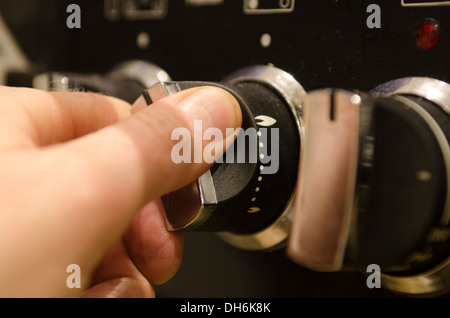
pixel 35 118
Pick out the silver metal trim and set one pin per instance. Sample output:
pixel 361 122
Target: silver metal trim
pixel 432 283
pixel 146 73
pixel 288 9
pixel 208 200
pixel 52 82
pixel 284 83
pixel 426 4
pixel 272 237
pixel 204 183
pixel 131 12
pixel 432 89
pixel 276 235
pixel 207 189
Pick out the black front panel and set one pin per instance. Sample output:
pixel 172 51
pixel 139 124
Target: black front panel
pixel 322 43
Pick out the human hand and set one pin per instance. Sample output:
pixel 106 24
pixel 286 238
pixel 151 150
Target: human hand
pixel 77 173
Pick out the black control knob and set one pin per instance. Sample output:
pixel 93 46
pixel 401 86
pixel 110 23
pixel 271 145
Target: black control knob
pixel 374 184
pixel 251 188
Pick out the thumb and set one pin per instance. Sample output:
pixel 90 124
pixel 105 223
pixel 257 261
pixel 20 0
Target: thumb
pixel 114 172
pixel 144 149
pixel 81 195
pixel 128 164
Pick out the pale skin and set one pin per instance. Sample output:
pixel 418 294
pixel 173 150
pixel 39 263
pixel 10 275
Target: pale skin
pixel 80 182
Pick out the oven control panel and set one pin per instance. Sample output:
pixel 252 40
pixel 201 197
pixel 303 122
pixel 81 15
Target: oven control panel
pixel 344 185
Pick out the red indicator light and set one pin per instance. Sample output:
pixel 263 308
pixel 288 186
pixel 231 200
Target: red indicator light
pixel 427 34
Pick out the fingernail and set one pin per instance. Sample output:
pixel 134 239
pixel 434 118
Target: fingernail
pixel 214 106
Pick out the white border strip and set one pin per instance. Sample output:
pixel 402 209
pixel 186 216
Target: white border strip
pixel 426 4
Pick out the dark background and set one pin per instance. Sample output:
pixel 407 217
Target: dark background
pixel 323 43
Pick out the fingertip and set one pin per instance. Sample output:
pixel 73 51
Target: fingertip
pixel 122 287
pixel 156 252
